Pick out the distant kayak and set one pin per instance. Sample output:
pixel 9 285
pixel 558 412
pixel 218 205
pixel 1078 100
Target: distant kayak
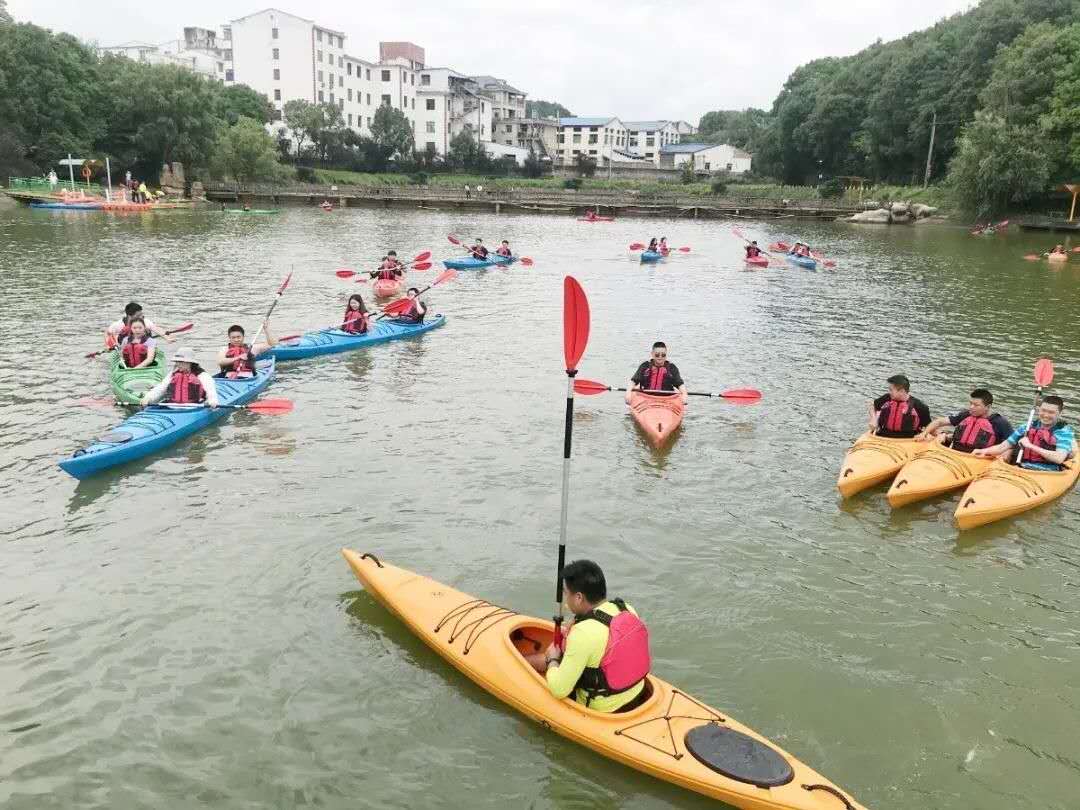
pixel 596 219
pixel 758 261
pixel 803 261
pixel 650 256
pixel 157 427
pixel 57 206
pixel 333 341
pixel 468 263
pixel 386 287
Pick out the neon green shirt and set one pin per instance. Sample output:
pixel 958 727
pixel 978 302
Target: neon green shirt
pixel 585 646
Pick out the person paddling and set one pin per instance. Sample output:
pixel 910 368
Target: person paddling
pixel 752 250
pixel 657 374
pixel 975 428
pixel 137 349
pixel 478 250
pixel 504 249
pixel 653 247
pixel 237 360
pixel 189 384
pixel 897 414
pixel 605 658
pixel 1047 444
pixel 121 329
pixel 663 246
pixel 355 320
pixel 388 269
pixel 399 266
pixel 1059 250
pixel 417 309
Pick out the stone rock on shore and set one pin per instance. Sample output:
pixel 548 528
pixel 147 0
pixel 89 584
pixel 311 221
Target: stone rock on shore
pixel 898 213
pixel 879 216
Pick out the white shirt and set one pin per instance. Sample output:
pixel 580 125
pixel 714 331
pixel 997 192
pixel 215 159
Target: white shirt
pixel 157 393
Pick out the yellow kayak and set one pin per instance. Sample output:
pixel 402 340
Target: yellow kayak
pixel 672 736
pixel 934 472
pixel 873 459
pixel 1004 490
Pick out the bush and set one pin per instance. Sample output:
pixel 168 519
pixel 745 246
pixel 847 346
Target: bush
pixel 306 174
pixel 573 183
pixel 419 178
pixel 687 176
pixel 718 186
pixel 585 165
pixel 831 189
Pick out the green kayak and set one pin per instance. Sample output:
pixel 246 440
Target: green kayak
pixel 128 384
pixel 252 211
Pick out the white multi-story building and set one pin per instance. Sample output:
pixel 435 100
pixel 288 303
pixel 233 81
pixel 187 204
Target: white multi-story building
pixel 706 157
pixel 203 63
pixel 647 138
pixel 594 137
pixel 507 107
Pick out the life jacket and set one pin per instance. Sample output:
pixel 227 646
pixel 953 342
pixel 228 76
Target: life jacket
pixel 802 250
pixel 1043 437
pixel 134 352
pixel 655 377
pixel 479 251
pixel 355 322
pixel 503 251
pixel 899 417
pixel 973 433
pixel 246 367
pixel 752 251
pixel 626 659
pixel 387 273
pixel 414 313
pixel 185 388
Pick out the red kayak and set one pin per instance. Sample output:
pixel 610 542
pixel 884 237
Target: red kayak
pixel 780 246
pixel 758 261
pixel 596 219
pixel 386 287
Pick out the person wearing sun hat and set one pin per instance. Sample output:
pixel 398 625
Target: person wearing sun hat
pixel 189 383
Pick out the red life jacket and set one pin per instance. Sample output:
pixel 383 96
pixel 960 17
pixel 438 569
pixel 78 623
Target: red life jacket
pixel 752 251
pixel 185 387
pixel 1043 437
pixel 246 367
pixel 626 659
pixel 503 251
pixel 134 352
pixel 899 417
pixel 413 314
pixel 355 322
pixel 973 433
pixel 654 377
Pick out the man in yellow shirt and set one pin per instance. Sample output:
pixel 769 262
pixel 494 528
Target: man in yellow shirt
pixel 606 651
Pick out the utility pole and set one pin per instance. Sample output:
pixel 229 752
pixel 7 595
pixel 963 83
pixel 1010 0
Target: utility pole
pixel 930 151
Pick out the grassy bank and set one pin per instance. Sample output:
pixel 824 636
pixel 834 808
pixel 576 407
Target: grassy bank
pixel 934 195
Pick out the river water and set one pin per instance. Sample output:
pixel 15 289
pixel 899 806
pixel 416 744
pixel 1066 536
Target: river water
pixel 185 633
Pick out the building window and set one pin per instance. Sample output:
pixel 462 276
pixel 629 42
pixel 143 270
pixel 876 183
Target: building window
pixel 577 138
pixel 425 79
pixel 592 129
pixel 430 126
pixel 273 34
pixel 340 81
pixel 277 74
pixel 728 166
pixel 369 99
pixel 430 146
pixel 412 78
pixel 331 96
pixel 386 101
pixel 562 138
pixel 340 42
pixel 341 103
pixel 386 75
pixel 275 115
pixel 368 72
pixel 277 54
pixel 594 138
pixel 430 103
pixel 348 68
pixel 277 95
pixel 318 55
pixel 509 127
pixel 650 141
pixel 229 75
pixel 228 54
pixel 318 36
pixel 648 154
pixel 320 77
pixel 369 121
pixel 320 96
pixel 350 119
pixel 414 103
pixel 340 62
pixel 592 151
pixel 350 94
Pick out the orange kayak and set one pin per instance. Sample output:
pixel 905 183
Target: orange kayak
pixel 1003 490
pixel 873 460
pixel 934 472
pixel 659 416
pixel 672 736
pixel 387 287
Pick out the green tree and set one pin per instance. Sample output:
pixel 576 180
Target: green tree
pixel 246 153
pixel 585 165
pixel 240 100
pixel 5 15
pixel 465 152
pixel 533 166
pixel 545 109
pixel 998 164
pixel 391 130
pixel 321 124
pixel 687 175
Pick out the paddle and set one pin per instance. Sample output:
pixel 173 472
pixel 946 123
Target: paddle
pixel 394 308
pixel 525 260
pixel 1044 375
pixel 269 312
pixel 187 327
pixel 575 338
pixel 343 273
pixel 740 396
pixel 821 258
pixel 738 233
pixel 271 407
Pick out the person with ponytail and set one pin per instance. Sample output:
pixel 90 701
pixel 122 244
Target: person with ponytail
pixel 355 320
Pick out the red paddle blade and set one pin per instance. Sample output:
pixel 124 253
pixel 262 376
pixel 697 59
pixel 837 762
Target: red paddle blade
pixel 422 266
pixel 575 322
pixel 742 396
pixel 284 284
pixel 684 250
pixel 453 239
pixel 525 260
pixel 830 263
pixel 397 307
pixel 446 275
pixel 590 387
pixel 422 257
pixel 344 273
pixel 1044 372
pixel 637 246
pixel 270 406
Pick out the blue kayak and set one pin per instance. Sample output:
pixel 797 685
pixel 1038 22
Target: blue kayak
pixel 159 426
pixel 54 206
pixel 470 263
pixel 503 260
pixel 332 341
pixel 803 261
pixel 651 256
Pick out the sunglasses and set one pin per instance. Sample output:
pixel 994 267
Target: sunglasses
pixel 659 354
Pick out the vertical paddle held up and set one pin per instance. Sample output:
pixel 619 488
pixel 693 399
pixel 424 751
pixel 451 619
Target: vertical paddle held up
pixel 269 312
pixel 575 338
pixel 1044 375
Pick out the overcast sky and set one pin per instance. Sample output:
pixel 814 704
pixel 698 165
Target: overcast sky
pixel 636 59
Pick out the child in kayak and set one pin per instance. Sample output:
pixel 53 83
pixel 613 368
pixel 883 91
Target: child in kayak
pixel 137 349
pixel 355 320
pixel 657 374
pixel 189 384
pixel 504 249
pixel 237 360
pixel 478 250
pixel 417 309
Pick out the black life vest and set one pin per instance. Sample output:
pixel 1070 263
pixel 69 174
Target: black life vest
pixel 899 418
pixel 479 252
pixel 246 367
pixel 1043 437
pixel 752 251
pixel 626 660
pixel 355 322
pixel 973 433
pixel 186 388
pixel 134 351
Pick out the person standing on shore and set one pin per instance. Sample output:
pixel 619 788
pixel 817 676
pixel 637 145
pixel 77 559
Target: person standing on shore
pixel 468 192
